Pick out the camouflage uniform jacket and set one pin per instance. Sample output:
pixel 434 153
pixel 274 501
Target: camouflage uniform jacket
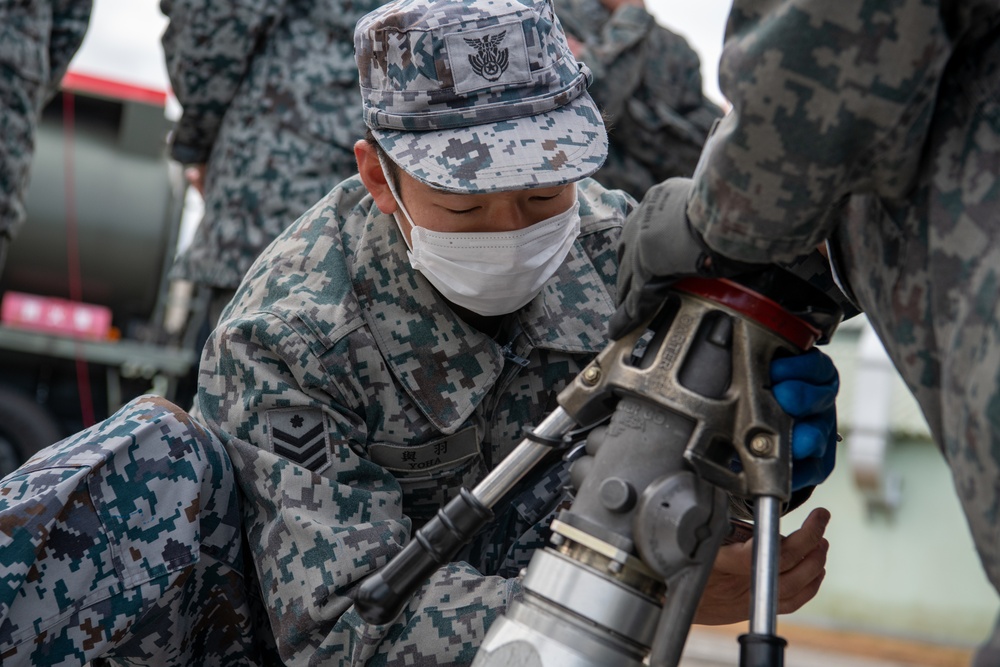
pixel 37 41
pixel 877 125
pixel 647 83
pixel 270 99
pixel 355 403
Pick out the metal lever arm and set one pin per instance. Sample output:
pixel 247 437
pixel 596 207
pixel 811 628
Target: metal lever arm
pixel 383 595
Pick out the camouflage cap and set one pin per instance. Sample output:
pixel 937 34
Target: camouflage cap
pixel 478 95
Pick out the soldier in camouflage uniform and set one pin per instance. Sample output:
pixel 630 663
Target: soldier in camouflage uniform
pixel 269 91
pixel 874 127
pixel 392 345
pixel 354 396
pixel 37 40
pixel 124 541
pixel 647 83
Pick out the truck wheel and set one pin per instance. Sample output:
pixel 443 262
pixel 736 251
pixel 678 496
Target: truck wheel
pixel 25 428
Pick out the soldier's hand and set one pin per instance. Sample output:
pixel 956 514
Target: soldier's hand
pixel 802 566
pixel 658 246
pixel 575 45
pixel 612 5
pixel 195 175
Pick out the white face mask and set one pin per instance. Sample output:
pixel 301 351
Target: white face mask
pixel 492 273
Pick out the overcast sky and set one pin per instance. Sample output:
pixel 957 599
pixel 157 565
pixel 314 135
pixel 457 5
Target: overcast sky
pixel 123 40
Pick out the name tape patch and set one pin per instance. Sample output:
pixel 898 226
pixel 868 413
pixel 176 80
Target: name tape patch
pixel 441 453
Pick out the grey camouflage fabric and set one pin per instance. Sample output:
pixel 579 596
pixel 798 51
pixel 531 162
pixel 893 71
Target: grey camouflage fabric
pixel 269 90
pixel 37 41
pixel 877 125
pixel 354 402
pixel 123 541
pixel 647 84
pixel 476 96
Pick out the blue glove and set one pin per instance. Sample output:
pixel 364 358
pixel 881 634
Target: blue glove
pixel 805 387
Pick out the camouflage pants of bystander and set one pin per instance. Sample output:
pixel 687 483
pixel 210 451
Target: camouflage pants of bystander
pixel 123 542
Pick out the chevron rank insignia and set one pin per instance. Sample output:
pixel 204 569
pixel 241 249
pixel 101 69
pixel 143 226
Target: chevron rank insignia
pixel 300 435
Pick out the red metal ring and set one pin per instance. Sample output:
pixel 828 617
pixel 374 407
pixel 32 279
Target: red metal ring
pixel 769 314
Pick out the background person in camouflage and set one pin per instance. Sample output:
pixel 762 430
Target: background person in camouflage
pixel 37 40
pixel 647 84
pixel 269 92
pixel 392 344
pixel 123 541
pixel 874 127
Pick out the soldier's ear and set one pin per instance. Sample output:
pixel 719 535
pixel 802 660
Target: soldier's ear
pixel 370 170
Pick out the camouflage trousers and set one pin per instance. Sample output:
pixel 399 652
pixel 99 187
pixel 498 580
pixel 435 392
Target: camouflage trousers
pixel 124 542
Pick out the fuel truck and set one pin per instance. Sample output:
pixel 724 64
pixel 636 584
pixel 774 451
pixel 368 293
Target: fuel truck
pixel 84 291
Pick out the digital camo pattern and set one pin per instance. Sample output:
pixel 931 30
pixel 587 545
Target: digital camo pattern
pixel 123 541
pixel 270 101
pixel 647 84
pixel 37 40
pixel 333 324
pixel 478 95
pixel 890 112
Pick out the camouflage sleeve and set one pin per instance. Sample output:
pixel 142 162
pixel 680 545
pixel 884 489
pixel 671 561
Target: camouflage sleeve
pixel 828 99
pixel 69 25
pixel 667 118
pixel 615 56
pixel 208 45
pixel 647 82
pixel 317 528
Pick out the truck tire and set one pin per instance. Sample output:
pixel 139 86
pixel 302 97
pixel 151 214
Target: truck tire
pixel 25 428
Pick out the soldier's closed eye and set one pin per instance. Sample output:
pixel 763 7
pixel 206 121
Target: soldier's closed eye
pixel 462 211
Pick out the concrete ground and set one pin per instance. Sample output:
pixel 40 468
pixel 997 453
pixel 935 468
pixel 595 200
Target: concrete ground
pixel 812 647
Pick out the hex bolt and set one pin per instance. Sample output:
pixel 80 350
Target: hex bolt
pixel 760 445
pixel 615 567
pixel 591 375
pixel 557 539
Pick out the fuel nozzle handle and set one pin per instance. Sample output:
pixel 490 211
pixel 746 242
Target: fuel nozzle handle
pixel 382 596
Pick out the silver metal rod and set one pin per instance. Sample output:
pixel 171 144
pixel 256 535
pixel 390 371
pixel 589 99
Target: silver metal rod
pixel 520 461
pixel 764 585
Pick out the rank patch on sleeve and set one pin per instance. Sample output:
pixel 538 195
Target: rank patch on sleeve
pixel 300 435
